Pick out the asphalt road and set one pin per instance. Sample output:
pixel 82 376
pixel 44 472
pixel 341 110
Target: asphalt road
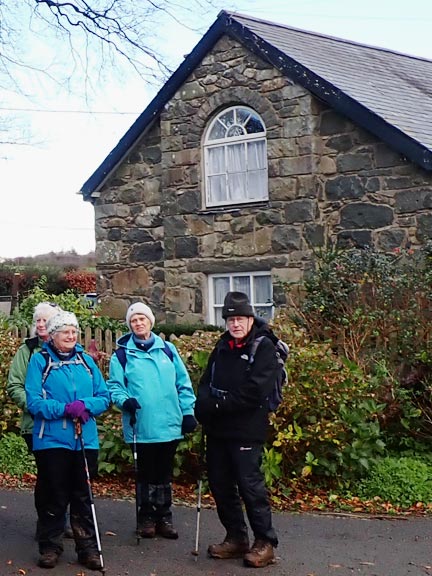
pixel 310 545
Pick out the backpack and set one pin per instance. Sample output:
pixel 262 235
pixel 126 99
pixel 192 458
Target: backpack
pixel 51 364
pixel 122 357
pixel 32 344
pixel 282 353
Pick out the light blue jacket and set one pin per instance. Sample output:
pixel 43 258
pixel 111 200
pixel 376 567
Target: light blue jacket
pixel 65 383
pixel 161 386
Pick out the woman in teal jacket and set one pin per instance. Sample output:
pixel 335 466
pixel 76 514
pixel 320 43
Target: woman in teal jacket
pixel 64 387
pixel 150 384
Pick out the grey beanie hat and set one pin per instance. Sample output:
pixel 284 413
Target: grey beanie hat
pixel 237 304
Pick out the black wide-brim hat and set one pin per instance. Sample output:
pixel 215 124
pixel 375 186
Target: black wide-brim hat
pixel 237 304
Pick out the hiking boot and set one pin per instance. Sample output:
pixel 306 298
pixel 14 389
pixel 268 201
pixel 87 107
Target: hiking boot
pixel 261 554
pixel 92 560
pixel 48 559
pixel 165 529
pixel 146 528
pixel 229 548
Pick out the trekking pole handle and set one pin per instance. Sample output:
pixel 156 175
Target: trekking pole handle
pixel 78 427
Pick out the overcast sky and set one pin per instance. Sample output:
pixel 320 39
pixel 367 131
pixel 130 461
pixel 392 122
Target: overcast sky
pixel 41 208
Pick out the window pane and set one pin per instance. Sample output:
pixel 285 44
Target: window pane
pixel 220 288
pixel 242 284
pixel 256 155
pixel 237 186
pixel 236 158
pixel 227 119
pixel 218 131
pixel 216 160
pixel 264 312
pixel 219 321
pixel 254 125
pixel 257 185
pixel 242 115
pixel 262 289
pixel 217 188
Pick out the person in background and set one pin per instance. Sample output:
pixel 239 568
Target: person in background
pixel 65 387
pixel 154 391
pixel 18 369
pixel 232 406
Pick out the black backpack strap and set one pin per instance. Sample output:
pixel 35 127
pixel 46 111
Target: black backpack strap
pixel 32 344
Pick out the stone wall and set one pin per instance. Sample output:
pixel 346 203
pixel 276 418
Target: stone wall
pixel 328 180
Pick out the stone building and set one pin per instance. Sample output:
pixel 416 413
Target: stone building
pixel 266 143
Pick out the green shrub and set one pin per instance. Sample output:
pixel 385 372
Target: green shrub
pixel 328 424
pixel 14 456
pixel 400 481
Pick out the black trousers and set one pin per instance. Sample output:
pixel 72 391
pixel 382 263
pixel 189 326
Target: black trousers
pixel 155 470
pixel 61 480
pixel 234 475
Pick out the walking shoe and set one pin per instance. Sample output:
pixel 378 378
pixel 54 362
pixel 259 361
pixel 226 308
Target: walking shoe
pixel 229 548
pixel 48 559
pixel 165 529
pixel 146 528
pixel 261 554
pixel 91 560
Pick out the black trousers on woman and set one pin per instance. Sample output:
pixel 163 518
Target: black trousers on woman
pixel 234 474
pixel 155 470
pixel 61 480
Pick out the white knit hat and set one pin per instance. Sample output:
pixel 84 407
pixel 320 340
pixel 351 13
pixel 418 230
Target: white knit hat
pixel 60 320
pixel 45 310
pixel 139 308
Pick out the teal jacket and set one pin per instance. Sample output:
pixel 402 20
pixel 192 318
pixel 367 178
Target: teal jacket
pixel 161 386
pixel 66 382
pixel 15 384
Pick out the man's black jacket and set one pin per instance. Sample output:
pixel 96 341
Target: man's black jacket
pixel 241 413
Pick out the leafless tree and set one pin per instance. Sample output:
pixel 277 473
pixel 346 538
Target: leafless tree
pixel 73 44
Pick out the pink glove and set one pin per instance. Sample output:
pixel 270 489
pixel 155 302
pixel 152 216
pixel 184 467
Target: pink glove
pixel 76 409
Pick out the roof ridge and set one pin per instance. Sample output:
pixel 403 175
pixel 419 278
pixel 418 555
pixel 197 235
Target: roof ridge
pixel 322 35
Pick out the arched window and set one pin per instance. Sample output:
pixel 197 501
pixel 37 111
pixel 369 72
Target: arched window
pixel 235 158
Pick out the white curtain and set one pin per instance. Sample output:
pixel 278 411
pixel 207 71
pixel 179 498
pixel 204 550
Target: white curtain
pixel 257 173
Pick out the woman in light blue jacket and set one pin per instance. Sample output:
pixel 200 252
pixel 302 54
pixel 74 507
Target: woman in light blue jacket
pixel 64 387
pixel 150 384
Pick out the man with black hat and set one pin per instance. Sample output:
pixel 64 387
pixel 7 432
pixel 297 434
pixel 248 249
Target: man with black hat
pixel 232 405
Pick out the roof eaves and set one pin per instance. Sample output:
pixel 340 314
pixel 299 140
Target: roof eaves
pixel 152 111
pixel 331 95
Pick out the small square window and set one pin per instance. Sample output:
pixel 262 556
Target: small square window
pixel 257 285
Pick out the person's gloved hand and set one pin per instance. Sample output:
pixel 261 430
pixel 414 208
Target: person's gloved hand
pixel 75 410
pixel 189 424
pixel 85 416
pixel 131 405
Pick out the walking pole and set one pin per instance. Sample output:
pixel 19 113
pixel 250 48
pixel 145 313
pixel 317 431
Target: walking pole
pixel 201 464
pixel 137 488
pixel 195 551
pixel 78 430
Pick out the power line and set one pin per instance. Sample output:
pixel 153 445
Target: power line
pixel 45 111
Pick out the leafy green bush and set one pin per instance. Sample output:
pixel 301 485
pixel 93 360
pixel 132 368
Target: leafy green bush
pixel 401 481
pixel 14 456
pixel 371 305
pixel 114 454
pixel 328 424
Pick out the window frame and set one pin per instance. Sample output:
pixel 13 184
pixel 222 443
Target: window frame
pixel 211 293
pixel 225 143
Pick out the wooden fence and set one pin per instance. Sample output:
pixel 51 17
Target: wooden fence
pixel 105 340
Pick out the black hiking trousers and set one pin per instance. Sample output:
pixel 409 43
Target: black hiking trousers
pixel 234 474
pixel 61 480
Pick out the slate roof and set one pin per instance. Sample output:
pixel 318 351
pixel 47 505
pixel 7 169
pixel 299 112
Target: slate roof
pixel 385 92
